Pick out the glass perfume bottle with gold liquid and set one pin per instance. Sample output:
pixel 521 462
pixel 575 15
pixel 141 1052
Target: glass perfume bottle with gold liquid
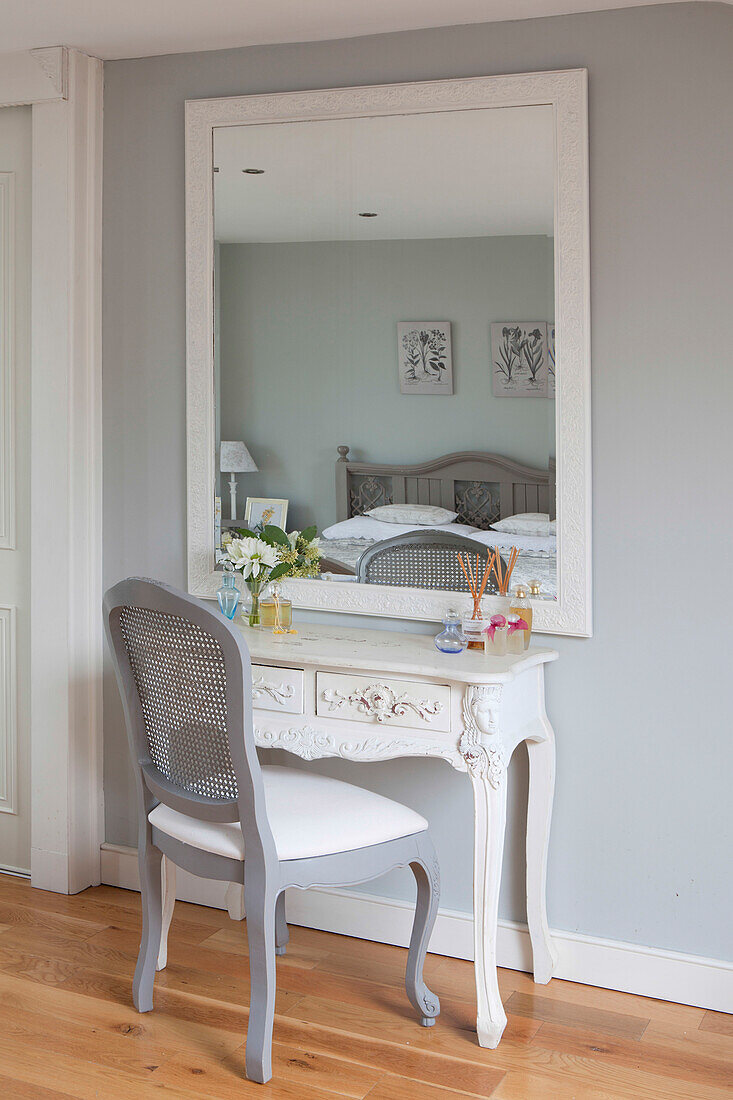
pixel 276 612
pixel 522 606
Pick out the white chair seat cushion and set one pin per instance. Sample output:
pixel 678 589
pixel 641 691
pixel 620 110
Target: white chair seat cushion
pixel 310 815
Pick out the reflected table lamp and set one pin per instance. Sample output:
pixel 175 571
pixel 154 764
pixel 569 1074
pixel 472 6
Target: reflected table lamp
pixel 234 458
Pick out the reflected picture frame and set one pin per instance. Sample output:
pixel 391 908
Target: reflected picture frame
pixel 264 510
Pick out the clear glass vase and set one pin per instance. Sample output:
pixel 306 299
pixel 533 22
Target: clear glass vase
pixel 252 612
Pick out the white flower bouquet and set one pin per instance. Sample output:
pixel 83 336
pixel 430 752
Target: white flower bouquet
pixel 267 554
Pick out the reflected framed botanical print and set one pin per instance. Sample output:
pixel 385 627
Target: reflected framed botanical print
pixel 425 357
pixel 263 510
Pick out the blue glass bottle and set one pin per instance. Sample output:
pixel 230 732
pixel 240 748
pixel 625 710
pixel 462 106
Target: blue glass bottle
pixel 228 596
pixel 452 639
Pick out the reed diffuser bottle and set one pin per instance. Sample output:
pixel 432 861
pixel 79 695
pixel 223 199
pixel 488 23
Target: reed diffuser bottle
pixel 473 627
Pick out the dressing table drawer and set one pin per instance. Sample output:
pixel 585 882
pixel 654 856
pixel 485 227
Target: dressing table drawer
pixel 389 702
pixel 279 689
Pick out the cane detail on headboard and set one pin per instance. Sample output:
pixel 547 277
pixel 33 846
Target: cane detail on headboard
pixel 482 488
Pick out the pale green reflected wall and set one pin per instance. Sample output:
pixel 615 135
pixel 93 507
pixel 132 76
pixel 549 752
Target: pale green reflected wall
pixel 309 356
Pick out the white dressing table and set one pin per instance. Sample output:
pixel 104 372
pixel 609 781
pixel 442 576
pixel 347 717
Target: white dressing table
pixel 375 695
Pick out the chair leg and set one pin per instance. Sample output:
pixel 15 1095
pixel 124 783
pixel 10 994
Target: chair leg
pixel 427 875
pixel 149 862
pixel 168 890
pixel 281 926
pixel 259 903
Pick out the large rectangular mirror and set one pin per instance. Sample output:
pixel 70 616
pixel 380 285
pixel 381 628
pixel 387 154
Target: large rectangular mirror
pixel 393 301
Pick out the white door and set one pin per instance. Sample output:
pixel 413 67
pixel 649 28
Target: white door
pixel 15 252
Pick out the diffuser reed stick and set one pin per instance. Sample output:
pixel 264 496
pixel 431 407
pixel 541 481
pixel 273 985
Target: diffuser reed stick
pixel 504 576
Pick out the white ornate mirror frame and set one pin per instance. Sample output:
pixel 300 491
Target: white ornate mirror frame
pixel 566 92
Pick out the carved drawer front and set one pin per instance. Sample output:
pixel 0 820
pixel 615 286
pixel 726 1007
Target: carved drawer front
pixel 387 702
pixel 278 689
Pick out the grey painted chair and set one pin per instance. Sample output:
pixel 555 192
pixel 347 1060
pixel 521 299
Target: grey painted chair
pixel 205 802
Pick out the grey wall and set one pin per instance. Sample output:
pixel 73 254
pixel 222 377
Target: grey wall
pixel 642 823
pixel 309 356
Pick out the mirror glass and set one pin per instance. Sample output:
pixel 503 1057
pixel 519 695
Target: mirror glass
pixel 384 341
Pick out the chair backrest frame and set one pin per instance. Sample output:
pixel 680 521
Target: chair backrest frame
pixel 153 786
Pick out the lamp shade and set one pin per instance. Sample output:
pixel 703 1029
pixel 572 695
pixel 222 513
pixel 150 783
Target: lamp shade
pixel 234 458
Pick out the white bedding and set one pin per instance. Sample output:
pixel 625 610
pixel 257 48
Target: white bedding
pixel 364 527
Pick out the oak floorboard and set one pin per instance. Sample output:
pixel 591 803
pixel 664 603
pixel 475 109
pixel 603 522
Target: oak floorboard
pixel 20 1090
pixel 665 1059
pixel 110 1017
pixel 720 1022
pixel 456 976
pixel 714 1043
pixel 12 916
pixel 35 968
pixel 400 1088
pixel 536 1086
pixel 551 1010
pixel 76 1077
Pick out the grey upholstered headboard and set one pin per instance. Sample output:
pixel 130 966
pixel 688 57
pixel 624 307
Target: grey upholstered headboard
pixel 482 488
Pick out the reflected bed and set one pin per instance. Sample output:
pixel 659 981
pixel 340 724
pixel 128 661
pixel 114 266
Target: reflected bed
pixel 481 489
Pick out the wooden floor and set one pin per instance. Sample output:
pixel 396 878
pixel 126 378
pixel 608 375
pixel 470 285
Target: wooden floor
pixel 343 1026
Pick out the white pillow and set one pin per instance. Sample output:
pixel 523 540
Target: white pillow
pixel 364 527
pixel 525 523
pixel 425 515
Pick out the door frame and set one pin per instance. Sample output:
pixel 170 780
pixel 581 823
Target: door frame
pixel 64 88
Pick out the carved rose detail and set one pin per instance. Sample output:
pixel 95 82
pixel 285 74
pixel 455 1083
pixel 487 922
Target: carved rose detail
pixel 381 702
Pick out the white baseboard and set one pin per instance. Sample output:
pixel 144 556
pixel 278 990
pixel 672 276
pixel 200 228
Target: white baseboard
pixel 610 964
pixel 16 872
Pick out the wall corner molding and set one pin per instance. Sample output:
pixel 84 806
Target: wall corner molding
pixel 54 64
pixel 34 76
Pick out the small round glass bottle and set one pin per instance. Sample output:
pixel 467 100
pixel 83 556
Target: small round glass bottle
pixel 451 639
pixel 228 595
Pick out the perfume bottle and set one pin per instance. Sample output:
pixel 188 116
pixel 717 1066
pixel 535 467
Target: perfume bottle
pixel 276 612
pixel 228 595
pixel 522 606
pixel 451 639
pixel 517 628
pixel 495 636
